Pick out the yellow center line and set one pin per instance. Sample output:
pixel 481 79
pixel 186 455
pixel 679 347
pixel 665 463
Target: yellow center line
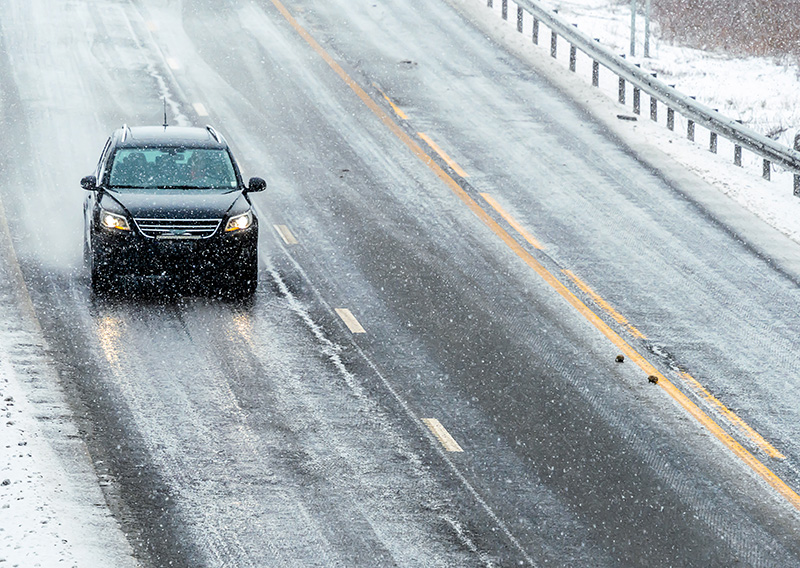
pixel 693 383
pixel 397 110
pixel 740 451
pixel 450 161
pixel 746 429
pixel 511 221
pixel 622 320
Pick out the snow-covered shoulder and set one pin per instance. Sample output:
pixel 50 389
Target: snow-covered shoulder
pixel 52 509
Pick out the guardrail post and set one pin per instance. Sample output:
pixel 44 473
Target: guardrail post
pixel 519 19
pixel 505 9
pixel 654 103
pixel 621 91
pixel 637 94
pixel 535 32
pixel 737 151
pixel 767 170
pixel 595 73
pixel 690 130
pixel 573 57
pixel 553 43
pixel 712 143
pixel 671 115
pixel 797 176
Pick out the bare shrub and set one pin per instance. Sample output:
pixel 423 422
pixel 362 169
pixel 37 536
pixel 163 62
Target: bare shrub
pixel 742 27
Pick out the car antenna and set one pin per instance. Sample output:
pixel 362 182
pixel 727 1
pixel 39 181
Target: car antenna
pixel 165 112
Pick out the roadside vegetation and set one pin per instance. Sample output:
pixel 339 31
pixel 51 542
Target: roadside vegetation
pixel 740 27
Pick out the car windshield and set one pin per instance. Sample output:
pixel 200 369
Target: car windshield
pixel 172 168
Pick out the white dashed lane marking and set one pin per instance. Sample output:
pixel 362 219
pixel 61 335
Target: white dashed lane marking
pixel 200 109
pixel 286 234
pixel 443 435
pixel 350 320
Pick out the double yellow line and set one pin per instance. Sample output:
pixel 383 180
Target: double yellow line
pixel 740 451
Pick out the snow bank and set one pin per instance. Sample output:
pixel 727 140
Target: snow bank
pixel 52 511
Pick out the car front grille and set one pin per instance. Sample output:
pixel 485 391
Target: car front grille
pixel 178 228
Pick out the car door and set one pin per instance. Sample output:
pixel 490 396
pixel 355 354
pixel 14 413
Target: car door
pixel 90 203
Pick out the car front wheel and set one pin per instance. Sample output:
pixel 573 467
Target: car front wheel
pixel 99 273
pixel 241 284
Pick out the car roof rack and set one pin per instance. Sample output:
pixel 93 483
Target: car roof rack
pixel 217 136
pixel 125 131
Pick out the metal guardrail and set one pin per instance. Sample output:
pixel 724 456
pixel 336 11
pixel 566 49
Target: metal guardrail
pixel 696 113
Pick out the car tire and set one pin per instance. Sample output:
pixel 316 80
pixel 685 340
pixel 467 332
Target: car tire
pixel 86 253
pixel 243 283
pixel 99 275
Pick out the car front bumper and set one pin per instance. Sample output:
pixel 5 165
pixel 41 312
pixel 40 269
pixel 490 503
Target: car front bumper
pixel 124 253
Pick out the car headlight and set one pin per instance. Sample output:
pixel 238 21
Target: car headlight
pixel 113 221
pixel 240 222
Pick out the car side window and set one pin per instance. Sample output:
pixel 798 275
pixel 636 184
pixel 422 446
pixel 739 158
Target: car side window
pixel 101 164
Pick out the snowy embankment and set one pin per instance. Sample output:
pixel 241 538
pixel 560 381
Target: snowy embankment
pixel 762 92
pixel 52 512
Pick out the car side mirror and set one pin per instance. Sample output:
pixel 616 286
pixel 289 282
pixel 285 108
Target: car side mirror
pixel 256 184
pixel 89 183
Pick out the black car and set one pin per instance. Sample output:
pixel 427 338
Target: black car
pixel 170 201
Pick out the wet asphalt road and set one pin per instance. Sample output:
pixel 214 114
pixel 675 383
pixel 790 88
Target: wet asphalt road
pixel 267 433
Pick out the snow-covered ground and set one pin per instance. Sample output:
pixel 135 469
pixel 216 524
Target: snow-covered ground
pixel 52 510
pixel 761 92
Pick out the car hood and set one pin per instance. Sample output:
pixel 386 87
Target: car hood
pixel 176 204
